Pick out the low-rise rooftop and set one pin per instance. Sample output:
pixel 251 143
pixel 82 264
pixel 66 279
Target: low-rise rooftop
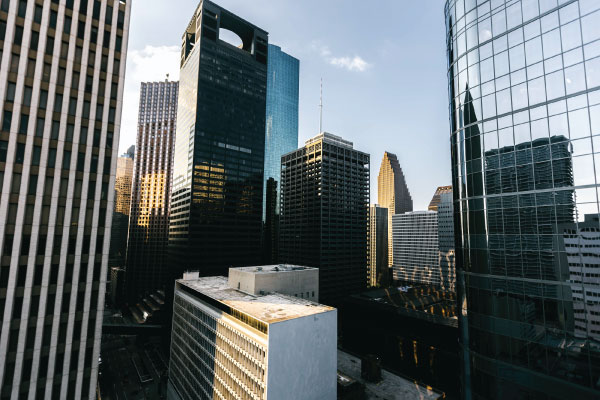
pixel 268 269
pixel 268 308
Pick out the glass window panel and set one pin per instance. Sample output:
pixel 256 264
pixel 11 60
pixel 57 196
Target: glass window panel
pixel 590 27
pixel 538 112
pixel 557 107
pixel 499 23
pixel 555 85
pixel 559 125
pixel 487 70
pixel 474 75
pixel 505 137
pixel 518 77
pixel 517 57
pixel 485 51
pixel 491 141
pixel 583 170
pixel 581 147
pixel 513 16
pixel 595 121
pixel 533 51
pixel 553 64
pixel 489 106
pixel 537 91
pixel 594 97
pixel 501 63
pixel 539 129
pixel 487 88
pixel 546 5
pixel 574 103
pixel 575 78
pixel 522 133
pixel 530 9
pixel 592 50
pixel 500 44
pixel 502 83
pixel 592 72
pixel 551 42
pixel 571 35
pixel 472 40
pixel 587 195
pixel 503 101
pixel 519 96
pixel 550 21
pixel 573 57
pixel 515 37
pixel 568 13
pixel 535 71
pixel 485 30
pixel 579 123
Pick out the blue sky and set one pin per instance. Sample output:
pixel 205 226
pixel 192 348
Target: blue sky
pixel 383 67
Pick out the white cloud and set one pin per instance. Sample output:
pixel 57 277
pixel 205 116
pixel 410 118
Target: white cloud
pixel 152 63
pixel 355 63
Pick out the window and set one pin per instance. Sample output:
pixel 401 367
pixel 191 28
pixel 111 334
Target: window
pixel 39 128
pixel 23 123
pixel 67 25
pixel 27 96
pixel 20 154
pixel 10 92
pixel 37 14
pixel 6 120
pixel 43 99
pixel 3 150
pixel 18 35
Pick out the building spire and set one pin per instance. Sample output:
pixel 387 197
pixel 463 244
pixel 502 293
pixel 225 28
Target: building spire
pixel 321 109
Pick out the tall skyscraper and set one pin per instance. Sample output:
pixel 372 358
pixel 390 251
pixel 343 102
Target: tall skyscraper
pixel 61 85
pixel 281 137
pixel 216 213
pixel 377 267
pixel 325 213
pixel 416 248
pixel 120 217
pixel 147 261
pixel 238 338
pixel 442 202
pixel 392 193
pixel 524 94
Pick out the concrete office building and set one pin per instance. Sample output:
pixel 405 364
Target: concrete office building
pixel 377 267
pixel 228 343
pixel 216 206
pixel 416 248
pixel 281 137
pixel 392 193
pixel 147 266
pixel 325 213
pixel 62 66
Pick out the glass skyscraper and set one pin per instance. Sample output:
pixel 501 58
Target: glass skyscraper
pixel 281 137
pixel 524 92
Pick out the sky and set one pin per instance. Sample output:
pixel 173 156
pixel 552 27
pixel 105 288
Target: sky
pixel 383 65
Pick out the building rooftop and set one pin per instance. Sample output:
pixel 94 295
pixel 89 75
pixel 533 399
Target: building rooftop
pixel 390 387
pixel 269 308
pixel 331 138
pixel 271 269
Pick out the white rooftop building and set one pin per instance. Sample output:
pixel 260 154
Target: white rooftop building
pixel 252 343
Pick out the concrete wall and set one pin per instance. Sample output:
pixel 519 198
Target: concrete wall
pixel 302 358
pixel 285 282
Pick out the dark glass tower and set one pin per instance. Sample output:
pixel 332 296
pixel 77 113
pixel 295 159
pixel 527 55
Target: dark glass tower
pixel 281 137
pixel 524 84
pixel 216 206
pixel 325 213
pixel 62 66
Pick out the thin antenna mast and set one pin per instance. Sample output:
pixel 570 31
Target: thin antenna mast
pixel 321 109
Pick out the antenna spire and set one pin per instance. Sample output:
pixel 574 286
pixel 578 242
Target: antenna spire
pixel 321 109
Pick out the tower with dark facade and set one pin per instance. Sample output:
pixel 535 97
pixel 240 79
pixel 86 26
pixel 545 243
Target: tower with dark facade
pixel 216 203
pixel 62 66
pixel 281 137
pixel 147 262
pixel 524 91
pixel 325 213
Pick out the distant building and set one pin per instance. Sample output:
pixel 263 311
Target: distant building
pixel 281 137
pixel 147 268
pixel 377 267
pixel 442 203
pixel 120 217
pixel 416 248
pixel 227 343
pixel 325 213
pixel 392 193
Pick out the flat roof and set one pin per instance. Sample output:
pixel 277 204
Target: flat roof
pixel 267 269
pixel 391 386
pixel 270 308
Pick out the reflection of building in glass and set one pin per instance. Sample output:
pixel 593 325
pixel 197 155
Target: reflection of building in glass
pixel 392 193
pixel 120 218
pixel 524 104
pixel 281 137
pixel 580 249
pixel 442 203
pixel 325 213
pixel 229 343
pixel 377 267
pixel 216 214
pixel 147 268
pixel 61 93
pixel 416 248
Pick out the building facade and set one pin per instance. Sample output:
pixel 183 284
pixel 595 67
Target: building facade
pixel 325 213
pixel 227 343
pixel 61 85
pixel 216 208
pixel 147 262
pixel 416 248
pixel 281 137
pixel 392 193
pixel 442 203
pixel 120 217
pixel 524 80
pixel 377 268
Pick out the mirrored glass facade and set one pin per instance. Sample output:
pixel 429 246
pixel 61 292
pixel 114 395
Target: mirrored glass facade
pixel 281 137
pixel 524 92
